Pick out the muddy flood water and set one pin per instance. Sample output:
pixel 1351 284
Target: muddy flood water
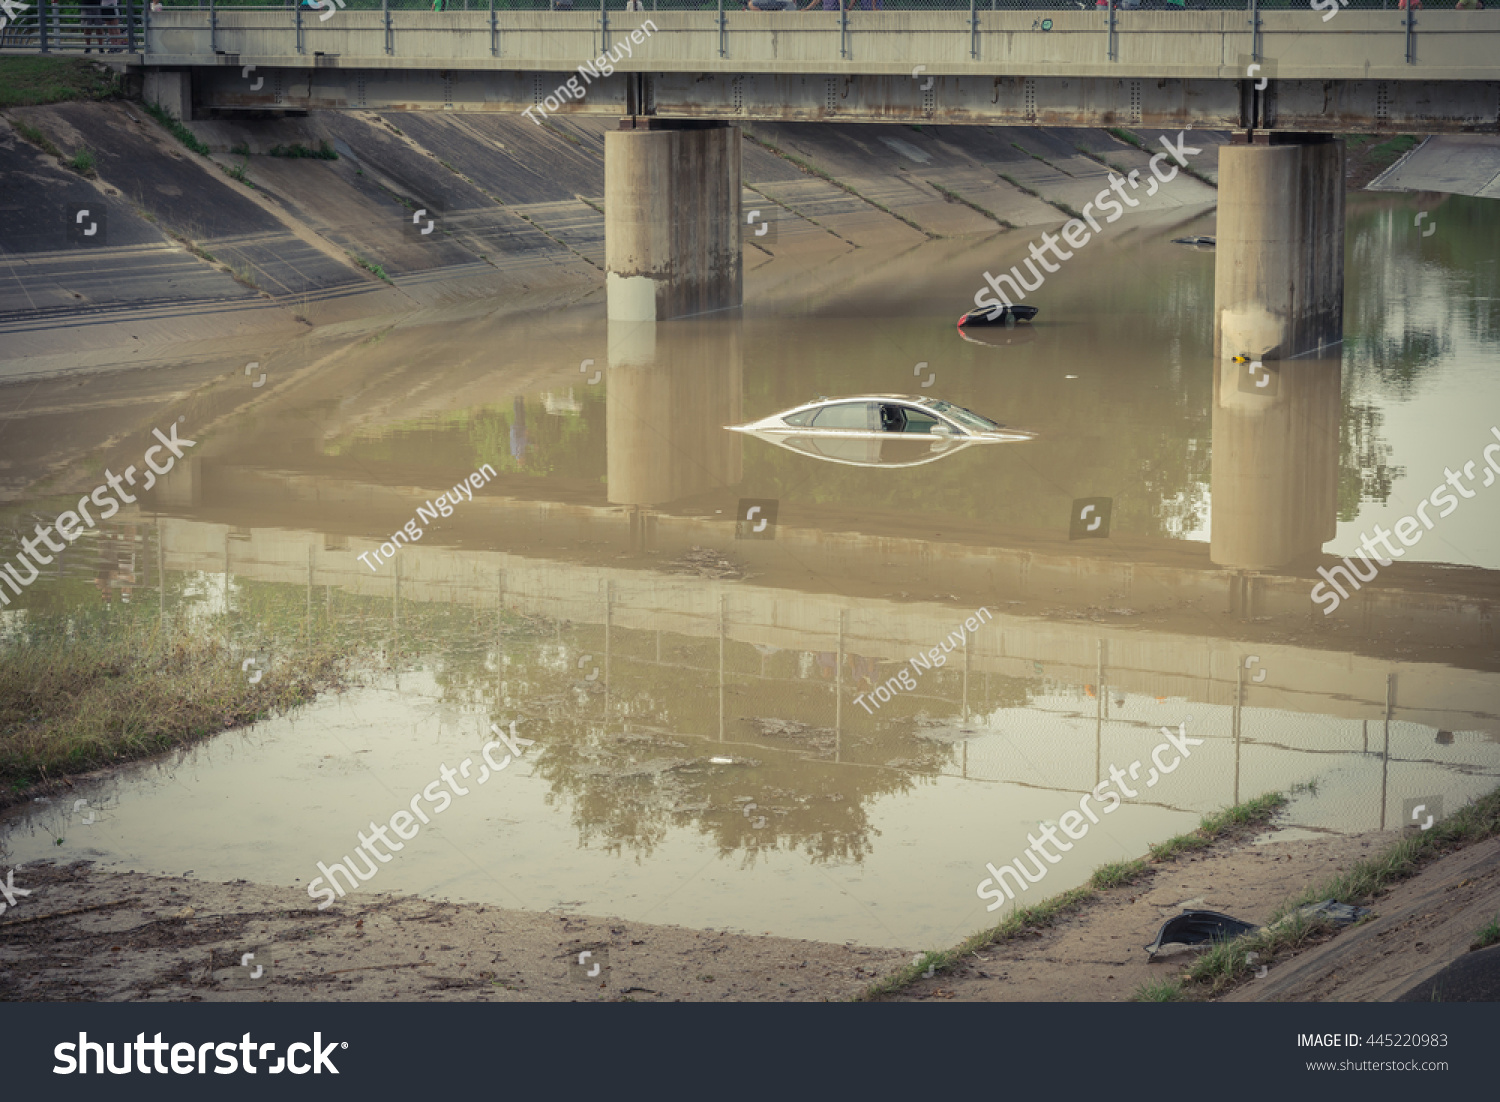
pixel 699 680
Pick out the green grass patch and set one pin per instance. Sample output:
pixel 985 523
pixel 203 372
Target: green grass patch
pixel 176 129
pixel 1489 934
pixel 298 151
pixel 1036 917
pixel 373 269
pixel 1287 932
pixel 76 696
pixel 1232 822
pixel 36 138
pixel 1228 963
pixel 1117 874
pixel 1126 136
pixel 1390 151
pixel 1158 991
pixel 31 81
pixel 237 172
pixel 82 163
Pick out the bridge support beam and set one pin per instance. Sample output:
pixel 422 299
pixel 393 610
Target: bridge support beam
pixel 1279 267
pixel 172 91
pixel 672 220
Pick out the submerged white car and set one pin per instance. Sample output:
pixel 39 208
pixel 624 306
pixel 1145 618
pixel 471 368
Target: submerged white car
pixel 880 430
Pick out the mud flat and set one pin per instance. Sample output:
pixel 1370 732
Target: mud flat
pixel 97 936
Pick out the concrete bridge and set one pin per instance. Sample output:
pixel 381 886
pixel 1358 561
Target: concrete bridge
pixel 1282 81
pixel 1365 70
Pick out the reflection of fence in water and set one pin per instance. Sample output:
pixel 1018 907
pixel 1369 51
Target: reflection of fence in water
pixel 122 560
pixel 732 643
pixel 1066 736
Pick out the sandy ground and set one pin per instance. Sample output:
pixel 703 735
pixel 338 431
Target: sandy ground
pixel 1096 955
pixel 1417 929
pixel 166 939
pixel 90 935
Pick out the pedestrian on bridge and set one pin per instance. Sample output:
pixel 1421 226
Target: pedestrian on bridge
pixel 92 17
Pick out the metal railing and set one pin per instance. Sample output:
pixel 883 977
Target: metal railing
pixel 48 26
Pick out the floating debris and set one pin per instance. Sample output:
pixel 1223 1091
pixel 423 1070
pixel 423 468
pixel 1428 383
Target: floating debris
pixel 705 562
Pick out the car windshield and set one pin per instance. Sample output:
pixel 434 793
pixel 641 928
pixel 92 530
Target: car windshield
pixel 967 418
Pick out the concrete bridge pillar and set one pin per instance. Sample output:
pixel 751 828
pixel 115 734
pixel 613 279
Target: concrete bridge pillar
pixel 172 91
pixel 672 220
pixel 1279 268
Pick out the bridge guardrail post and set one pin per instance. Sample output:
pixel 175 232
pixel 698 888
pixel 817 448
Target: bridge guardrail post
pixel 390 34
pixel 130 18
pixel 604 24
pixel 297 10
pixel 41 17
pixel 1114 43
pixel 844 29
pixel 494 32
pixel 1411 34
pixel 973 31
pixel 213 26
pixel 723 32
pixel 1254 30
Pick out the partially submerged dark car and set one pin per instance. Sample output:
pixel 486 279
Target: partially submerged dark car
pixel 997 314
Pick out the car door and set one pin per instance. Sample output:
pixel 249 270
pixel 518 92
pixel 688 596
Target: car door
pixel 851 418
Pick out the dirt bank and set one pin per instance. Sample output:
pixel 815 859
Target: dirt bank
pixel 124 937
pixel 1096 954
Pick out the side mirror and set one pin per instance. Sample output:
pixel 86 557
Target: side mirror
pixel 943 430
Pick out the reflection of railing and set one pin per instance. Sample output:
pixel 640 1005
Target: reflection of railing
pixel 1157 663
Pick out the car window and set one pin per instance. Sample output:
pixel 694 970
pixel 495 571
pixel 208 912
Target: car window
pixel 918 420
pixel 803 418
pixel 846 415
pixel 967 418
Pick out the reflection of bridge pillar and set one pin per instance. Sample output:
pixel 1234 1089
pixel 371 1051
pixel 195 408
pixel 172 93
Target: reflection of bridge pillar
pixel 1275 463
pixel 1279 265
pixel 672 221
pixel 669 393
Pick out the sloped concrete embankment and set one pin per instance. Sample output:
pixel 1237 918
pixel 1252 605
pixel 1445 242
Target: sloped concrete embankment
pixel 246 242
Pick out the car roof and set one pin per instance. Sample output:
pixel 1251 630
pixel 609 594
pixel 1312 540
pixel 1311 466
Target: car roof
pixel 869 398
